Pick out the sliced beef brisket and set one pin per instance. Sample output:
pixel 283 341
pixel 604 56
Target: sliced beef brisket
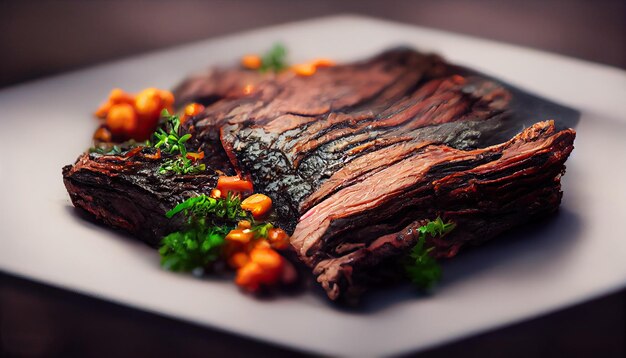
pixel 355 158
pixel 127 193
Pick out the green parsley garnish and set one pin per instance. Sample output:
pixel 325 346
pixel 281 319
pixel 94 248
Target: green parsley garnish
pixel 423 269
pixel 193 248
pixel 202 206
pixel 275 59
pixel 199 243
pixel 181 165
pixel 261 230
pixel 171 141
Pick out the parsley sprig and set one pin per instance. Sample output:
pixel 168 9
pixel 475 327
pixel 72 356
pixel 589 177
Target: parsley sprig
pixel 207 222
pixel 275 59
pixel 194 248
pixel 171 141
pixel 181 165
pixel 202 206
pixel 422 269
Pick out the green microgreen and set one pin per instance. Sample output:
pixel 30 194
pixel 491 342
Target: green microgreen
pixel 421 268
pixel 275 59
pixel 181 165
pixel 170 139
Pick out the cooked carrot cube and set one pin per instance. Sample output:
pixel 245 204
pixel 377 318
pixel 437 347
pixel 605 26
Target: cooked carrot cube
pixel 258 204
pixel 251 62
pixel 278 238
pixel 121 119
pixel 233 184
pixel 238 235
pixel 238 260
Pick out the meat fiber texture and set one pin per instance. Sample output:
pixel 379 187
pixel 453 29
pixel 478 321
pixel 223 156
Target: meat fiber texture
pixel 357 156
pixel 127 193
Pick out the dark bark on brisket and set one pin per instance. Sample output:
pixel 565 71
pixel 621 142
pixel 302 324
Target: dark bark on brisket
pixel 129 194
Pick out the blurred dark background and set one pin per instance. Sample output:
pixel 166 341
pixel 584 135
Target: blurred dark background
pixel 40 38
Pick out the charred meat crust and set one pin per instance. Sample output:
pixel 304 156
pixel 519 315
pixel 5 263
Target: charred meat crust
pixel 129 193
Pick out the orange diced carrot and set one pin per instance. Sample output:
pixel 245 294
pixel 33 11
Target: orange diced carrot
pixel 251 62
pixel 258 204
pixel 278 238
pixel 238 260
pixel 233 184
pixel 323 62
pixel 304 69
pixel 121 119
pixel 238 235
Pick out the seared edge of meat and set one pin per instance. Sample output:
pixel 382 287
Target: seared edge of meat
pixel 129 193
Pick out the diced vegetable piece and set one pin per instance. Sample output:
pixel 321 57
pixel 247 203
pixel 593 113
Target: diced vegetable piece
pixel 192 109
pixel 103 110
pixel 278 238
pixel 121 119
pixel 251 62
pixel 309 68
pixel 304 69
pixel 216 194
pixel 258 204
pixel 263 269
pixel 248 276
pixel 260 244
pixel 268 259
pixel 238 235
pixel 148 103
pixel 244 224
pixel 195 156
pixel 117 96
pixel 167 98
pixel 323 62
pixel 238 260
pixel 227 184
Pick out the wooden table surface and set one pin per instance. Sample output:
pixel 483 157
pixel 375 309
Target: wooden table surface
pixel 40 38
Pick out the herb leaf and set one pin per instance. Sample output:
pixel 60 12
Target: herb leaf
pixel 181 165
pixel 262 230
pixel 203 206
pixel 194 248
pixel 275 59
pixel 422 269
pixel 173 143
pixel 170 140
pixel 199 243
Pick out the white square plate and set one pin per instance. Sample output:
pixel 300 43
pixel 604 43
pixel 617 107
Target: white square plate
pixel 578 255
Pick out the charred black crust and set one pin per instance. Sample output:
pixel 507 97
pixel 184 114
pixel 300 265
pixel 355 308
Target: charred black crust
pixel 130 194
